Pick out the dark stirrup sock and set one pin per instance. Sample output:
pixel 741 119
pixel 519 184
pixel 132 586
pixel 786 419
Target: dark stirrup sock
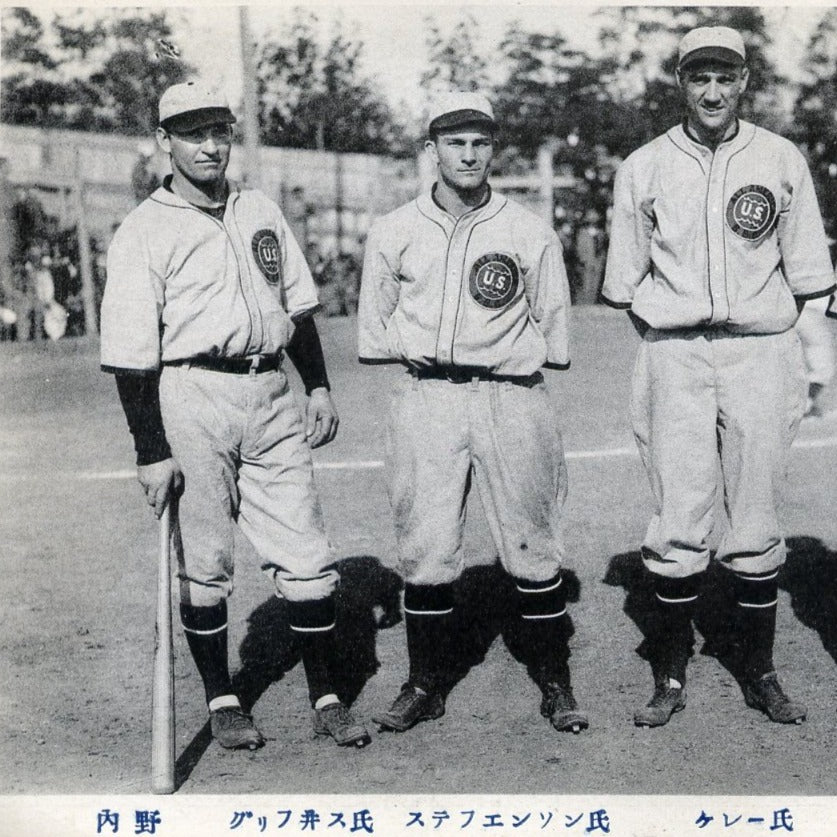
pixel 313 625
pixel 756 597
pixel 206 633
pixel 428 614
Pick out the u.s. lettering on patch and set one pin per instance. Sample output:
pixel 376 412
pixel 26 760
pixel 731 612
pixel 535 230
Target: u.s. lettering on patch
pixel 751 212
pixel 493 280
pixel 266 252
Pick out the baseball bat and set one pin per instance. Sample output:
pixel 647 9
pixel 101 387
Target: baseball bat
pixel 162 700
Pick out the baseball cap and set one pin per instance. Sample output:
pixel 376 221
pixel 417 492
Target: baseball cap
pixel 452 110
pixel 194 103
pixel 711 42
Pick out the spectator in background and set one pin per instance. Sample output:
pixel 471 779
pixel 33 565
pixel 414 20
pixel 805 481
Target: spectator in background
pixel 144 177
pixel 297 212
pixel 590 250
pixel 566 233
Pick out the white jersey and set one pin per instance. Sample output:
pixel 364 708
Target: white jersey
pixel 703 239
pixel 182 284
pixel 486 290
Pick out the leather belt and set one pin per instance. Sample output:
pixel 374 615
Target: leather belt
pixel 233 365
pixel 465 374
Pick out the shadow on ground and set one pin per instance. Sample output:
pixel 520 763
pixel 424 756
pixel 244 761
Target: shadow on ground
pixel 810 578
pixel 368 598
pixel 485 609
pixel 713 619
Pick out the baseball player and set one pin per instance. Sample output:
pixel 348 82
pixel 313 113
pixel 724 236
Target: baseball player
pixel 467 290
pixel 206 291
pixel 716 243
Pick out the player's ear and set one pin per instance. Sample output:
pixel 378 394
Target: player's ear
pixel 680 80
pixel 745 77
pixel 431 150
pixel 163 140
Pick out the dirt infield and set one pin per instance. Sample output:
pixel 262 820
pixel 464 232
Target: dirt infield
pixel 78 558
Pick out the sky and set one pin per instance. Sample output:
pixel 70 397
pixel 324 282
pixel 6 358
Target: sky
pixel 394 34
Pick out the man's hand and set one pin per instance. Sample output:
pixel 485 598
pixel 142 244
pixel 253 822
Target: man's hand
pixel 161 481
pixel 321 418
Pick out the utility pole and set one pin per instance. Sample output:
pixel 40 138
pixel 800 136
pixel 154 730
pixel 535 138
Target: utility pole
pixel 88 291
pixel 250 123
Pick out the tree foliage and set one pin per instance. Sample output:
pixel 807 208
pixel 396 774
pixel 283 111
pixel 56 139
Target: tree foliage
pixel 86 72
pixel 815 114
pixel 454 62
pixel 314 95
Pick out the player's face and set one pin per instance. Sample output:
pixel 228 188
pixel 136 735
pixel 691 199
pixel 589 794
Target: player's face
pixel 463 158
pixel 712 91
pixel 199 154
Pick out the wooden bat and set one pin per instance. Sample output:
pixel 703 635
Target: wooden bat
pixel 162 700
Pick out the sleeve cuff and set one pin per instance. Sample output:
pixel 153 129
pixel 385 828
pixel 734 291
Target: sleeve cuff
pixel 560 366
pixel 620 306
pixel 815 294
pixel 377 361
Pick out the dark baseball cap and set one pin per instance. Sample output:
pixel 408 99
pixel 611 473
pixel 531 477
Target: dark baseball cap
pixel 455 110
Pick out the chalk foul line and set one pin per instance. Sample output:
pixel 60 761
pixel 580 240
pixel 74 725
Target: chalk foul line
pixel 375 464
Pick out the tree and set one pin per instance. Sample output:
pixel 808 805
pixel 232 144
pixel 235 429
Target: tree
pixel 815 115
pixel 454 62
pixel 95 74
pixel 550 91
pixel 315 96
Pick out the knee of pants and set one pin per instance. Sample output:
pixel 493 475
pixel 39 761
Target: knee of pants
pixel 430 570
pixel 209 594
pixel 297 588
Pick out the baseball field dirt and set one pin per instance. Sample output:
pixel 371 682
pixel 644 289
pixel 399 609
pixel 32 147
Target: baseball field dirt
pixel 78 590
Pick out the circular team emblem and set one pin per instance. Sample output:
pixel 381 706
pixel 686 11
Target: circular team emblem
pixel 493 280
pixel 266 251
pixel 751 212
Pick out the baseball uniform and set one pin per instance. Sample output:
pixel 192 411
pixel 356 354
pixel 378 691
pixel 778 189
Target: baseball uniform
pixel 185 289
pixel 204 298
pixel 711 250
pixel 473 306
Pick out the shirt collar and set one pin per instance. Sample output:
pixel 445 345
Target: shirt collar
pixel 694 138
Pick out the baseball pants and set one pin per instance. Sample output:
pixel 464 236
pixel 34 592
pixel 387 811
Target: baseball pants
pixel 240 442
pixel 710 398
pixel 501 433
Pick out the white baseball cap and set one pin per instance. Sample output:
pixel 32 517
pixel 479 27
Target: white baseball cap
pixel 711 42
pixel 452 110
pixel 197 102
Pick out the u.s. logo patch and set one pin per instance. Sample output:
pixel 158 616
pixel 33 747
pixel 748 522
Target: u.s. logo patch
pixel 751 212
pixel 493 280
pixel 266 251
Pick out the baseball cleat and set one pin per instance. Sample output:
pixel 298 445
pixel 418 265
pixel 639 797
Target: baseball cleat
pixel 337 721
pixel 767 695
pixel 234 729
pixel 666 700
pixel 559 705
pixel 410 707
